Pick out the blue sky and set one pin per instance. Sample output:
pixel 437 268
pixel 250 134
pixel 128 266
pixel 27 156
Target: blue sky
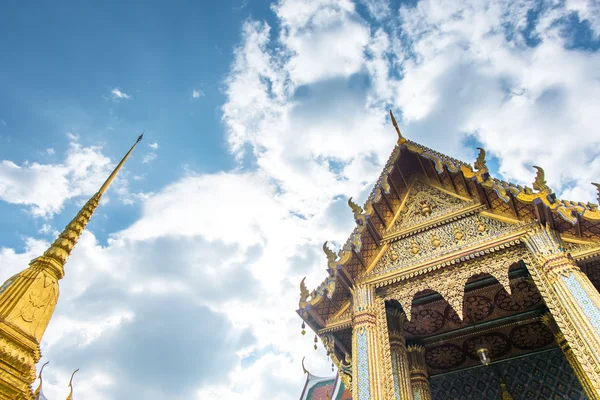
pixel 261 119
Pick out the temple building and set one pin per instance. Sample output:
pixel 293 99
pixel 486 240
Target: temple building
pixel 458 285
pixel 28 300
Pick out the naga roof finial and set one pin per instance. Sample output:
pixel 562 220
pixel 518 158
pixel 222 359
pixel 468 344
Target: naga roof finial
pixel 356 209
pixel 38 394
pixel 304 368
pixel 480 165
pixel 540 181
pixel 331 256
pixel 70 396
pixel 597 187
pixel 303 293
pixel 401 138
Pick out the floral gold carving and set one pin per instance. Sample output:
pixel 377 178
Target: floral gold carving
pixel 438 241
pixel 425 203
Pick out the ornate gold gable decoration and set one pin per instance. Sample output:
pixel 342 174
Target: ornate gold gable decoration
pixel 426 203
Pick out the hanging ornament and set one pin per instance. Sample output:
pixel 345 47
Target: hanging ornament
pixel 331 367
pixel 303 326
pixel 315 342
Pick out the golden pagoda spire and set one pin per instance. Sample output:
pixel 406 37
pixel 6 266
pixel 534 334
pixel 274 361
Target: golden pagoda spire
pixel 70 396
pixel 28 300
pixel 38 391
pixel 63 245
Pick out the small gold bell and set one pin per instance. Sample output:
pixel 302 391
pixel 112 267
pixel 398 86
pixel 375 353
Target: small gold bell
pixel 303 326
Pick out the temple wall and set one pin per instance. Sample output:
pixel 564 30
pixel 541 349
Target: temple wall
pixel 542 376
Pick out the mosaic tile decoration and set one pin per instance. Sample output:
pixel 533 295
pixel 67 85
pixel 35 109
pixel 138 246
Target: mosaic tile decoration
pixel 583 299
pixel 395 374
pixel 364 387
pixel 540 376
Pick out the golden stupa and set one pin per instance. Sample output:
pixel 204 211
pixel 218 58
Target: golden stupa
pixel 28 300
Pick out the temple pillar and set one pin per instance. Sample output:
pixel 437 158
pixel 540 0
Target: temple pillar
pixel 573 302
pixel 568 352
pixel 419 377
pixel 400 366
pixel 371 360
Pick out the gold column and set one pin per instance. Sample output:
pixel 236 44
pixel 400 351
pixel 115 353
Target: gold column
pixel 400 366
pixel 419 377
pixel 370 354
pixel 573 302
pixel 566 349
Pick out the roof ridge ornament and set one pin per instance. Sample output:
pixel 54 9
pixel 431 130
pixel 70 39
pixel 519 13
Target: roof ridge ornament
pixel 480 165
pixel 401 139
pixel 70 396
pixel 356 209
pixel 331 256
pixel 304 293
pixel 540 183
pixel 598 188
pixel 304 368
pixel 38 391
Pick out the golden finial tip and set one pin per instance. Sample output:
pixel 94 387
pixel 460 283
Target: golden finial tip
pixel 401 138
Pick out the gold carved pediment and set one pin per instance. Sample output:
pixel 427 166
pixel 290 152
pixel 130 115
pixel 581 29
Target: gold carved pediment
pixel 426 203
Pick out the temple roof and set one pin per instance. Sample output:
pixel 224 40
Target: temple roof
pixel 317 388
pixel 379 221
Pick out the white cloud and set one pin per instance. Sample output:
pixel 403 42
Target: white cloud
pixel 197 93
pixel 588 10
pixel 119 94
pixel 50 151
pixel 44 188
pixel 3 122
pixel 149 157
pixel 153 145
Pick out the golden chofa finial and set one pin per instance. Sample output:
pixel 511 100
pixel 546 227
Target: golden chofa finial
pixel 39 394
pixel 480 165
pixel 540 181
pixel 401 138
pixel 70 396
pixel 598 188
